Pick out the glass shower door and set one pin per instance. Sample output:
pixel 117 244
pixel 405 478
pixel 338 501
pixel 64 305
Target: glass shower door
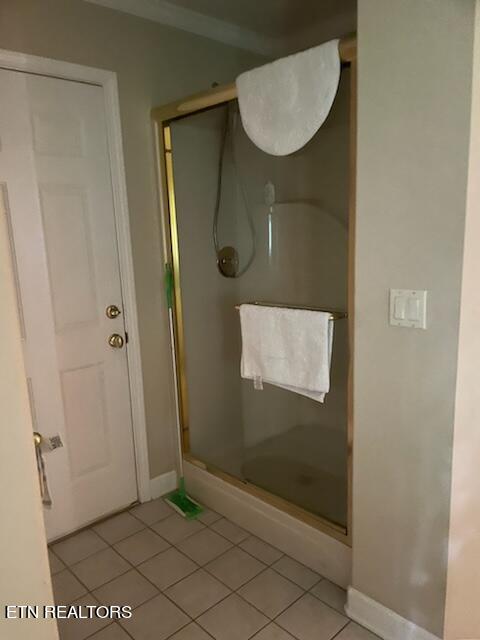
pixel 288 217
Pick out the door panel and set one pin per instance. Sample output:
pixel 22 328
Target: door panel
pixel 69 249
pixel 55 169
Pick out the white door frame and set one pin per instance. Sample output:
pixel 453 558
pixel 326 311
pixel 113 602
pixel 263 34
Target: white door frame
pixel 16 61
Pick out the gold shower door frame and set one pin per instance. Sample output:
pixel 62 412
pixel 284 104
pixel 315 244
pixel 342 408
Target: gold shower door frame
pixel 162 118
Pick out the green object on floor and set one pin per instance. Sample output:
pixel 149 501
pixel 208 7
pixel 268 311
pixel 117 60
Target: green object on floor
pixel 181 502
pixel 178 500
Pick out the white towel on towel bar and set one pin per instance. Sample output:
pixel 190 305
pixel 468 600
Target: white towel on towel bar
pixel 289 348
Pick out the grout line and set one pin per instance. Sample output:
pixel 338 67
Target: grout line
pixel 90 589
pixel 236 591
pixel 340 630
pixel 293 581
pixel 49 548
pixel 324 603
pixel 110 544
pixel 199 567
pixel 256 558
pixel 150 525
pixel 106 627
pixel 162 591
pixel 69 564
pixel 289 632
pixel 186 625
pixel 342 613
pixel 157 589
pixel 271 566
pixel 92 524
pixel 67 569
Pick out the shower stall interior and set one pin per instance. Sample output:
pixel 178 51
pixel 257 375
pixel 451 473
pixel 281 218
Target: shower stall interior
pixel 244 226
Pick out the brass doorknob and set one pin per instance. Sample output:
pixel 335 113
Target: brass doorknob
pixel 112 311
pixel 116 341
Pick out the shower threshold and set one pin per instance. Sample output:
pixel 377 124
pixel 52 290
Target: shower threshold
pixel 337 531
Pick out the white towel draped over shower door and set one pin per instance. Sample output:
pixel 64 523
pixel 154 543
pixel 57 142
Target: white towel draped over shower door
pixel 284 103
pixel 289 348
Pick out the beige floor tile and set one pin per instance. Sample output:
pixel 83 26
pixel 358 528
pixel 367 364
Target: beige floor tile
pixel 197 593
pixel 204 546
pixel 354 631
pixel 235 567
pixel 66 587
pixel 153 511
pixel 118 527
pixel 100 568
pixel 308 619
pixel 270 592
pixel 141 546
pixel 167 567
pixel 78 547
pixel 56 564
pixel 273 632
pixel 230 530
pixel 131 589
pixel 328 592
pixel 208 516
pixel 176 528
pixel 261 550
pixel 79 629
pixel 157 619
pixel 191 632
pixel 232 619
pixel 298 573
pixel 112 632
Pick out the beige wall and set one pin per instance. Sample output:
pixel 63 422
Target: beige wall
pixel 462 616
pixel 415 69
pixel 24 572
pixel 155 65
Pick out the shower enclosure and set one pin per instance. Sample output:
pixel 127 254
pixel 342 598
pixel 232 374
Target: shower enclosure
pixel 243 226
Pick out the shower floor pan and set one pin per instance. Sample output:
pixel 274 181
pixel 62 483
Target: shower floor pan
pixel 305 466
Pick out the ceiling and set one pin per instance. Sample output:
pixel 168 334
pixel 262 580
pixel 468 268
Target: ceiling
pixel 272 18
pixel 269 27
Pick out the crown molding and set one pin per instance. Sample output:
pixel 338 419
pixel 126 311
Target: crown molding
pixel 179 17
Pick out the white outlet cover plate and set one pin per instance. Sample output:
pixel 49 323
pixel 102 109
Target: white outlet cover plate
pixel 408 308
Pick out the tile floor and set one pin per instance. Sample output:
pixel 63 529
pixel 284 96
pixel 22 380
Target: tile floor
pixel 192 580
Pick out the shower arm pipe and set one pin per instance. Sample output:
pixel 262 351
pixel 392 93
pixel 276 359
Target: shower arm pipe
pixel 347 48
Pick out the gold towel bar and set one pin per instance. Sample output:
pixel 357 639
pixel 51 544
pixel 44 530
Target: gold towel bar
pixel 334 315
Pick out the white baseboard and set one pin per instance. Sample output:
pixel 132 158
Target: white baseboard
pixel 383 621
pixel 315 549
pixel 162 484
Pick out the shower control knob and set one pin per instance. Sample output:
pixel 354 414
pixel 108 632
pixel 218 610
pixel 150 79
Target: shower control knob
pixel 227 262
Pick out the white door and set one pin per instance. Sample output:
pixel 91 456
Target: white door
pixel 56 185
